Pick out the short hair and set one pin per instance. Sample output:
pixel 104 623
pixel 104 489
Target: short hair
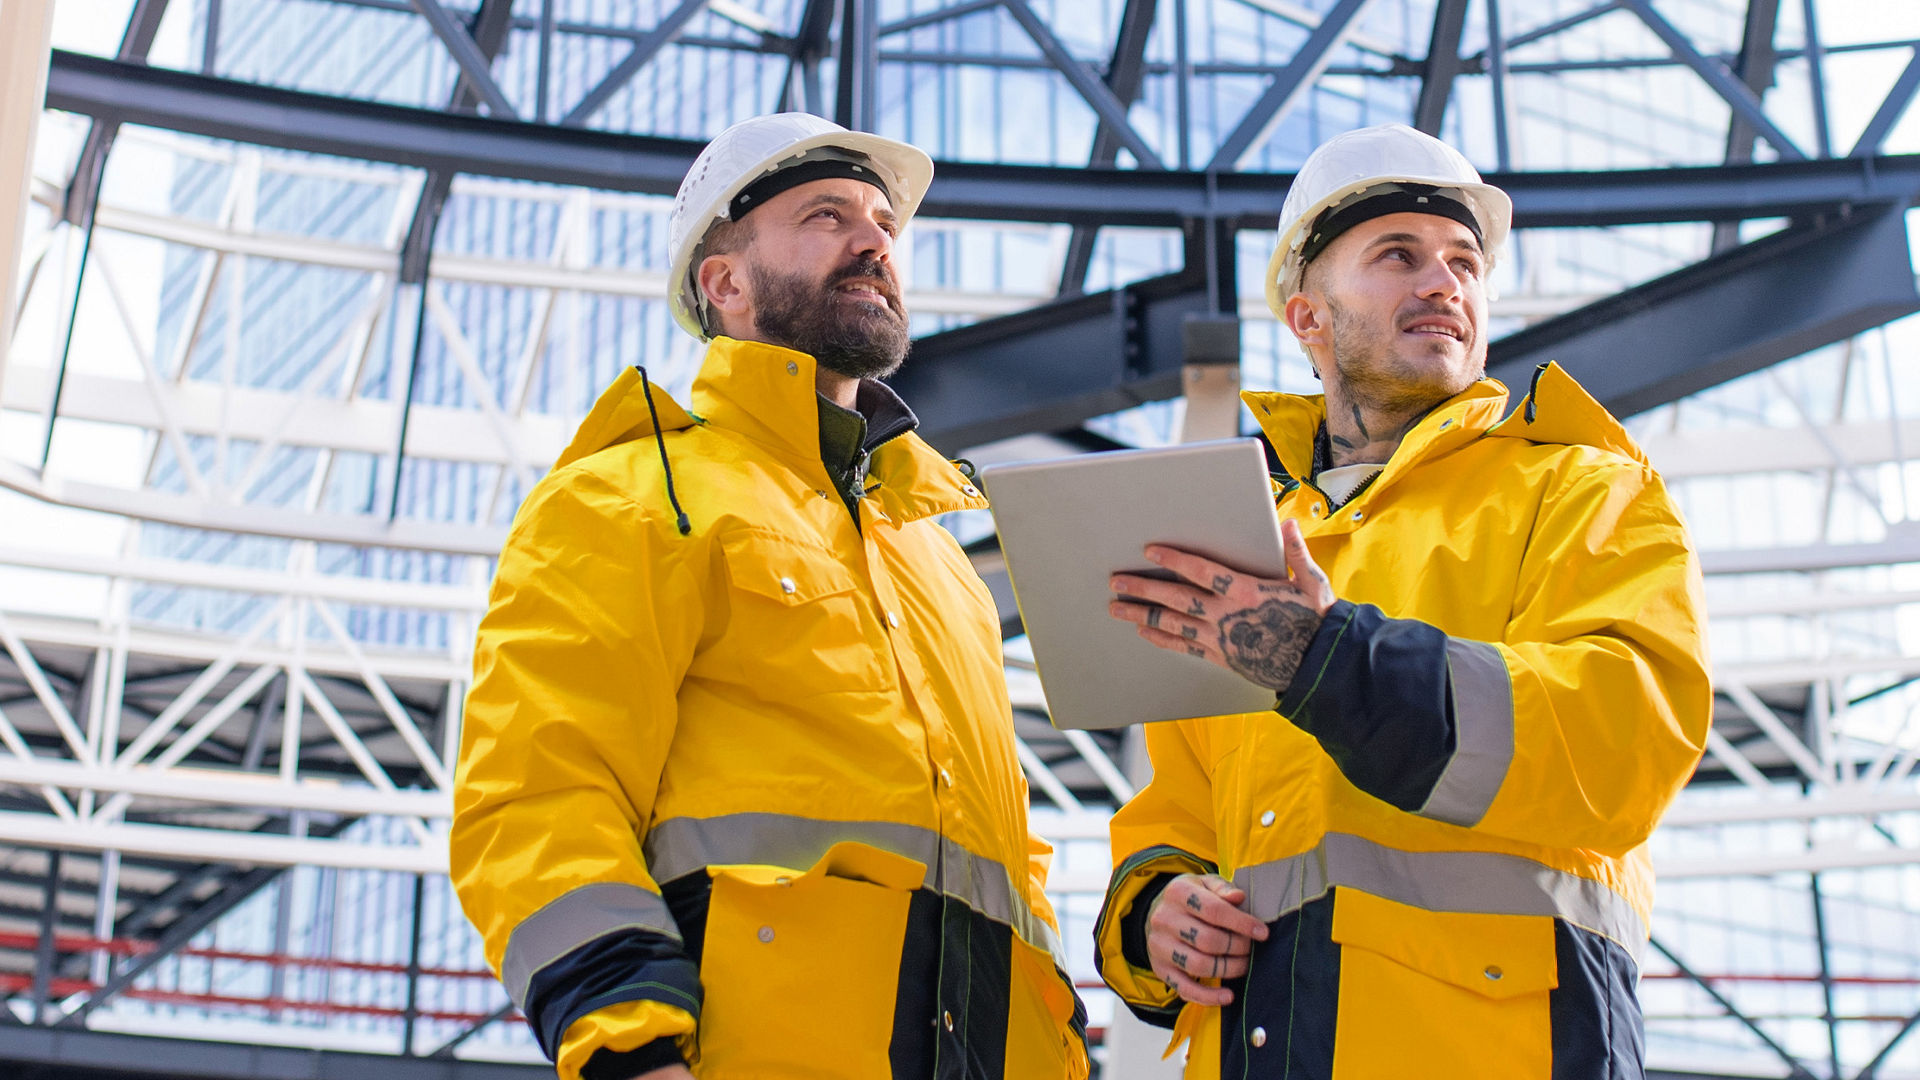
pixel 1308 273
pixel 727 236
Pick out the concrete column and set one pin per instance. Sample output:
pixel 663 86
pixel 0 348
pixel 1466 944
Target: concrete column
pixel 26 29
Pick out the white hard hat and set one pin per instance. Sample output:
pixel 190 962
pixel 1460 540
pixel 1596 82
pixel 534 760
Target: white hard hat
pixel 1352 162
pixel 755 148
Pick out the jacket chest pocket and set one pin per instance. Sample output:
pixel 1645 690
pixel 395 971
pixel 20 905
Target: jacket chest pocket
pixel 790 600
pixel 800 970
pixel 1441 994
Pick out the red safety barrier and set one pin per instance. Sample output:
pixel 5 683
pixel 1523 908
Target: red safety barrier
pixel 67 943
pixel 64 987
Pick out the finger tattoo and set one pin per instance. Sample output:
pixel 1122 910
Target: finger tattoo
pixel 1222 582
pixel 1216 967
pixel 1179 959
pixel 1197 608
pixel 1195 650
pixel 1153 617
pixel 1191 633
pixel 1193 901
pixel 1191 935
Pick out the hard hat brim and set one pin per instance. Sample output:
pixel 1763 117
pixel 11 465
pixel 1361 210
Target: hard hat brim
pixel 906 170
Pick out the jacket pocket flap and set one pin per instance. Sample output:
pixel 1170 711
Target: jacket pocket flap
pixel 864 862
pixel 849 860
pixel 782 569
pixel 1496 956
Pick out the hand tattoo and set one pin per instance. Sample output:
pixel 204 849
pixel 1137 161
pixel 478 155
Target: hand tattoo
pixel 1197 609
pixel 1193 901
pixel 1195 650
pixel 1153 616
pixel 1179 959
pixel 1265 644
pixel 1191 935
pixel 1190 632
pixel 1221 583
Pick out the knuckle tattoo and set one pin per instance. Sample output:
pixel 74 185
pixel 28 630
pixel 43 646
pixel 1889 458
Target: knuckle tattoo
pixel 1222 582
pixel 1190 632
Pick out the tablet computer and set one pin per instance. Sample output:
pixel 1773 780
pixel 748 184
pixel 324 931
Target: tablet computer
pixel 1067 525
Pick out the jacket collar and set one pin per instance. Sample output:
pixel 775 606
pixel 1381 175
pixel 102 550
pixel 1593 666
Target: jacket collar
pixel 1291 422
pixel 766 393
pixel 1556 410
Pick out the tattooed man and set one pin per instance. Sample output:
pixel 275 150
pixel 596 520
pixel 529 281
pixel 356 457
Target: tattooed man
pixel 1489 676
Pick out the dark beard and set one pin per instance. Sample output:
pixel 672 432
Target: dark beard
pixel 852 339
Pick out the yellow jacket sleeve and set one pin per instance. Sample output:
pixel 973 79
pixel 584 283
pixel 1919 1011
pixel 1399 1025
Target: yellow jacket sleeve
pixel 1578 726
pixel 1166 828
pixel 1606 658
pixel 591 625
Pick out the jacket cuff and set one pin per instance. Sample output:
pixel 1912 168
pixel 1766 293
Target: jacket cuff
pixel 1133 925
pixel 626 1064
pixel 1375 692
pixel 632 965
pixel 1143 992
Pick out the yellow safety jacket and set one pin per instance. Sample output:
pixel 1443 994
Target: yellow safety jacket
pixel 747 795
pixel 1444 822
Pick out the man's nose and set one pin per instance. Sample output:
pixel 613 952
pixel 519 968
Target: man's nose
pixel 1437 279
pixel 872 241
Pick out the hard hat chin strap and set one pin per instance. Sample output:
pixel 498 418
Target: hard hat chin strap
pixel 1379 202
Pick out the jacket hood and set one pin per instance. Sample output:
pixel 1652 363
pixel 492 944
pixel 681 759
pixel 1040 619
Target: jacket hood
pixel 621 415
pixel 1559 410
pixel 1556 410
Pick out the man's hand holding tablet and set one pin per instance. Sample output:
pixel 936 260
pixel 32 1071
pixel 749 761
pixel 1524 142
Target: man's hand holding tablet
pixel 1257 627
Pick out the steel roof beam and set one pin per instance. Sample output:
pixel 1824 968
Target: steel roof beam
pixel 1755 68
pixel 1060 364
pixel 1890 110
pixel 1441 66
pixel 1125 72
pixel 489 36
pixel 1739 98
pixel 859 66
pixel 425 138
pixel 83 189
pixel 1098 95
pixel 644 50
pixel 1732 314
pixel 475 65
pixel 1295 80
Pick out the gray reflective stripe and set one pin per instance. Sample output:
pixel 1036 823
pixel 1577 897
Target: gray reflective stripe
pixel 1483 734
pixel 572 920
pixel 1471 881
pixel 683 845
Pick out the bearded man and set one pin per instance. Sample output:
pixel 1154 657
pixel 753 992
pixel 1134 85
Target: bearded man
pixel 738 791
pixel 1490 679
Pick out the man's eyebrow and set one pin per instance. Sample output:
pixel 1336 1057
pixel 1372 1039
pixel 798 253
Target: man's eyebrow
pixel 828 198
pixel 1408 238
